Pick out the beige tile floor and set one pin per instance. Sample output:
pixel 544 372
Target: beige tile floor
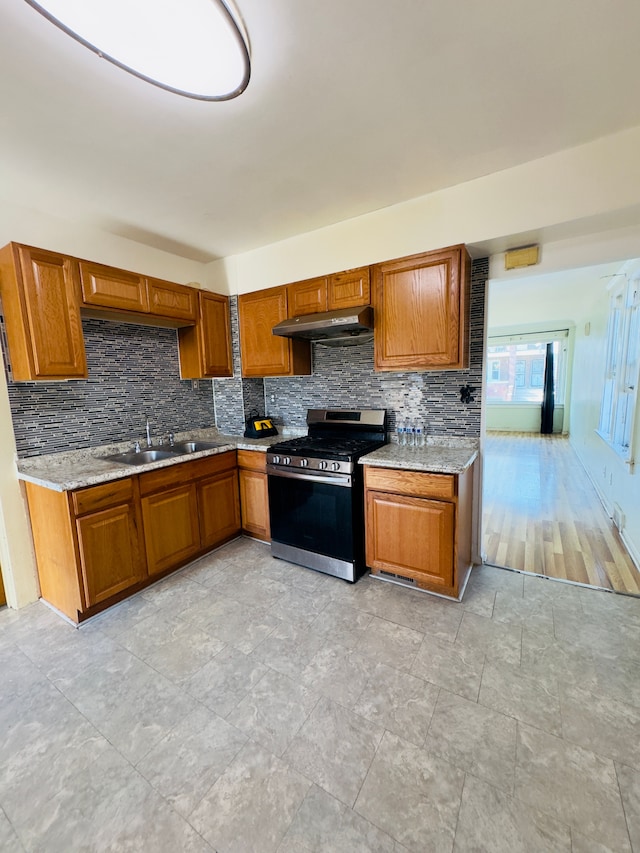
pixel 249 705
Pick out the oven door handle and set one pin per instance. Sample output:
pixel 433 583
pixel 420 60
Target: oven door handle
pixel 332 480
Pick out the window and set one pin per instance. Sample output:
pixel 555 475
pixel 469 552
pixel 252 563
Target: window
pixel 537 371
pixel 515 367
pixel 622 368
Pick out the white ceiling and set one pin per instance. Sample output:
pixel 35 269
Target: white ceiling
pixel 353 105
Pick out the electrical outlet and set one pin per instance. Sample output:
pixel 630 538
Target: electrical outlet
pixel 195 384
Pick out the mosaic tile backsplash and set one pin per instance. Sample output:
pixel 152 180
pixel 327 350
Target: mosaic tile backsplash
pixel 133 373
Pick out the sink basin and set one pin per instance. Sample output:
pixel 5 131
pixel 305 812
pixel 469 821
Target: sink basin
pixel 142 457
pixel 194 446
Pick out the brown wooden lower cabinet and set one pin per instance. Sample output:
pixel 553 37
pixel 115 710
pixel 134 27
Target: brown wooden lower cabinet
pixel 95 546
pixel 88 543
pixel 110 553
pixel 171 529
pixel 219 509
pixel 254 493
pixel 418 527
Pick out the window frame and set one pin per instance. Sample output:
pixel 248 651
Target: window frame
pixel 619 401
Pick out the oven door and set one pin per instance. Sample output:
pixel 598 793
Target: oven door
pixel 315 514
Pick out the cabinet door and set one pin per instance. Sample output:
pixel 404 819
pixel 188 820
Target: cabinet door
pixel 110 554
pixel 412 537
pixel 349 289
pixel 171 531
pixel 307 297
pixel 254 502
pixel 45 337
pixel 421 311
pixel 216 334
pixel 167 299
pixel 205 349
pixel 113 288
pixel 263 353
pixel 219 509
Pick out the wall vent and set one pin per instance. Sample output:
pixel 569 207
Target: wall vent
pixel 618 517
pixel 396 577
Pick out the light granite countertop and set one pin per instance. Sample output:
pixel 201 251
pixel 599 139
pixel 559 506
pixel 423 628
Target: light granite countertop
pixel 75 469
pixel 440 455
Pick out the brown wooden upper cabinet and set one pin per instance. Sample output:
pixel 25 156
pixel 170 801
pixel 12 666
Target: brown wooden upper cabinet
pixel 41 295
pixel 265 354
pixel 205 349
pixel 307 297
pixel 347 289
pixel 168 299
pixel 109 287
pixel 421 311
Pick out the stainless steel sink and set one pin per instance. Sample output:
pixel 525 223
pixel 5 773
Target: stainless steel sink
pixel 194 446
pixel 142 457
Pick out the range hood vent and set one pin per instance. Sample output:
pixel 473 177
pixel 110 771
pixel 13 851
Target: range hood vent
pixel 344 327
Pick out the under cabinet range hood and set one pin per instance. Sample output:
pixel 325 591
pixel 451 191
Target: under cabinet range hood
pixel 344 327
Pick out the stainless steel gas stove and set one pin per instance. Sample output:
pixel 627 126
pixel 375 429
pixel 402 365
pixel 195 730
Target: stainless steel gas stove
pixel 316 490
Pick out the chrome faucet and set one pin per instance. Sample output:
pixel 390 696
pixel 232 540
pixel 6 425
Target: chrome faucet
pixel 148 430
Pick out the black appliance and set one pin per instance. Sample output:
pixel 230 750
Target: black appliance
pixel 316 492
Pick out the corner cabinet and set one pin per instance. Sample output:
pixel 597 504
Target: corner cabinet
pixel 41 300
pixel 421 311
pixel 263 353
pixel 205 349
pixel 418 527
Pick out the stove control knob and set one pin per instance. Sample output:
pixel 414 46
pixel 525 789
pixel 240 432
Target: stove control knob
pixel 322 465
pixel 286 460
pixel 335 466
pixel 304 463
pixel 275 460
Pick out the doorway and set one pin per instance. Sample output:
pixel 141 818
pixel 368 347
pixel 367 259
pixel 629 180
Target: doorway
pixel 543 510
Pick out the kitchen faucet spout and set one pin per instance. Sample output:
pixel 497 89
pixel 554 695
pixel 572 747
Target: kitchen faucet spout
pixel 148 431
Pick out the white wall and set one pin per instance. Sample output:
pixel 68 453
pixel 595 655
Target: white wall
pixel 523 417
pixel 572 186
pixel 614 479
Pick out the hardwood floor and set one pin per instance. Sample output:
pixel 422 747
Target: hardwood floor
pixel 542 515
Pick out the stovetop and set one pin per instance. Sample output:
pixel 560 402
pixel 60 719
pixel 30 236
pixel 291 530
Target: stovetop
pixel 322 447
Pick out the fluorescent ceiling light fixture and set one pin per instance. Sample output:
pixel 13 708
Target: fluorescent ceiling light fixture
pixel 194 48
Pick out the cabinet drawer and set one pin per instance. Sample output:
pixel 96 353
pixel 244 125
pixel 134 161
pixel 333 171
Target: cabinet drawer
pixel 412 483
pixel 253 460
pixel 186 472
pixel 102 496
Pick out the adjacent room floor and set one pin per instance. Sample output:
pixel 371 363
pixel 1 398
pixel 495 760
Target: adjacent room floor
pixel 542 514
pixel 249 705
